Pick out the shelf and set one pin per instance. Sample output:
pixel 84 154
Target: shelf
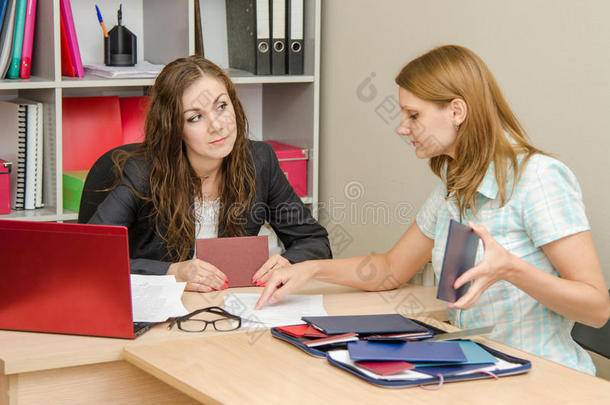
pixel 31 83
pixel 40 214
pixel 95 81
pixel 243 77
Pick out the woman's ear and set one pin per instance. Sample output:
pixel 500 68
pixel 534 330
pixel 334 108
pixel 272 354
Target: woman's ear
pixel 459 110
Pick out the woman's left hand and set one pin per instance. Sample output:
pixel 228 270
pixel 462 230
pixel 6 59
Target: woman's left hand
pixel 496 265
pixel 273 263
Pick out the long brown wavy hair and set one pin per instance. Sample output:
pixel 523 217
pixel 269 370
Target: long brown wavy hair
pixel 449 72
pixel 174 185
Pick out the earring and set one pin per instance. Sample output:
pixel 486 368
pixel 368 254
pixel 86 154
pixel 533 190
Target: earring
pixel 457 127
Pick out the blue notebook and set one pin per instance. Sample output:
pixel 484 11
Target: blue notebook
pixel 440 352
pixel 460 254
pixel 384 323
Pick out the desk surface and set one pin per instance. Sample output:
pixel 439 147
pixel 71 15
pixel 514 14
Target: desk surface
pixel 26 352
pixel 251 368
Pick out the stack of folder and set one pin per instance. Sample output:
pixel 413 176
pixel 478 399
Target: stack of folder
pixel 17 21
pixel 266 36
pixel 394 351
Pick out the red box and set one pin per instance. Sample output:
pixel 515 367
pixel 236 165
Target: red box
pixel 293 162
pixel 5 187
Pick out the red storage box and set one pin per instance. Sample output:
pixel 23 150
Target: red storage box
pixel 293 162
pixel 5 188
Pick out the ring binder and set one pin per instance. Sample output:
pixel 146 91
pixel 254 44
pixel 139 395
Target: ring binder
pixel 248 35
pixel 278 37
pixel 295 37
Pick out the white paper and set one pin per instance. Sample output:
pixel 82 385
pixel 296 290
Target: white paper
pixel 287 311
pixel 156 298
pixel 140 70
pixel 342 356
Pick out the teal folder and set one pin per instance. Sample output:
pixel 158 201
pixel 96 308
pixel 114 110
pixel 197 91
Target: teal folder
pixel 13 70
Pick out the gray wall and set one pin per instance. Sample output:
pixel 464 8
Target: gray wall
pixel 551 58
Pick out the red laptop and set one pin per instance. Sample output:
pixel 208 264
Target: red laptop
pixel 66 278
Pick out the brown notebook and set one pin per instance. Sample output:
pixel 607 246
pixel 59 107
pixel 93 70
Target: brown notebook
pixel 239 258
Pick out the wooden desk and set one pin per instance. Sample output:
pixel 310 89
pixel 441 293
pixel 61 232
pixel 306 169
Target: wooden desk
pixel 60 369
pixel 239 370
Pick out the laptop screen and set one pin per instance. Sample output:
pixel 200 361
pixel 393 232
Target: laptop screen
pixel 65 278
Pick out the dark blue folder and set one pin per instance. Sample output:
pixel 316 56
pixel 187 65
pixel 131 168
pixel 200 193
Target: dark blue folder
pixel 460 253
pixel 384 323
pixel 442 352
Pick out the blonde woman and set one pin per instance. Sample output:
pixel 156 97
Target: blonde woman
pixel 537 270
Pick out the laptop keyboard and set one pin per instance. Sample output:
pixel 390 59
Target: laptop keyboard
pixel 141 327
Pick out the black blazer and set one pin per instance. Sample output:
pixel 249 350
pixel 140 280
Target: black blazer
pixel 275 202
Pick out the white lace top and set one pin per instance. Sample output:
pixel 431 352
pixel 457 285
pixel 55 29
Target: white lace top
pixel 207 219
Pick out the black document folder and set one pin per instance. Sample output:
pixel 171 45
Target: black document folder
pixel 248 27
pixel 295 35
pixel 384 323
pixel 460 253
pixel 278 37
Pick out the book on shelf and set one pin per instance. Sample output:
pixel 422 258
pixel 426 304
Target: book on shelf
pixel 28 40
pixel 6 36
pixel 4 6
pixel 71 38
pixel 67 68
pixel 13 68
pixel 21 142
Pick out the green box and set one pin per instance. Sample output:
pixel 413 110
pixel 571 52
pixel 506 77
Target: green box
pixel 73 188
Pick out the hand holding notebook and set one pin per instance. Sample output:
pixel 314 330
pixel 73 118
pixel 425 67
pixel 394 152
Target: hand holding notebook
pixel 460 254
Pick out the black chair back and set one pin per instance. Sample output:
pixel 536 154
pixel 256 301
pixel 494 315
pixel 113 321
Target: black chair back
pixel 596 340
pixel 99 180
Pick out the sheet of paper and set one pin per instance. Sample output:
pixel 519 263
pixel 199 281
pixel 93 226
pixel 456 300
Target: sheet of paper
pixel 139 70
pixel 288 311
pixel 156 298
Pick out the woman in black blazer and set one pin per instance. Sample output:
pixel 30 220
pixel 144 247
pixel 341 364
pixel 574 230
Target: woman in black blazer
pixel 197 175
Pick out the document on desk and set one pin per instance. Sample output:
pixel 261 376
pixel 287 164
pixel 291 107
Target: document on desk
pixel 288 311
pixel 156 298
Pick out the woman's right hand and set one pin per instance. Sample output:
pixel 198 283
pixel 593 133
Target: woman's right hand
pixel 285 281
pixel 199 275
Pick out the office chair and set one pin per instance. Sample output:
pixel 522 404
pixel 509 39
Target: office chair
pixel 593 339
pixel 100 178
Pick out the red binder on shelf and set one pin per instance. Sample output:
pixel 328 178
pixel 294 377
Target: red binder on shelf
pixel 133 118
pixel 67 69
pixel 91 126
pixel 73 49
pixel 28 40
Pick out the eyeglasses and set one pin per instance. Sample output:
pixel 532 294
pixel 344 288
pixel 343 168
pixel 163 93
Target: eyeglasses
pixel 198 320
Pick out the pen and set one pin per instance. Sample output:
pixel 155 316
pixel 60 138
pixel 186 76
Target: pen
pixel 99 17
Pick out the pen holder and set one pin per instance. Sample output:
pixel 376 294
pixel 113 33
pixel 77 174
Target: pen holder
pixel 120 47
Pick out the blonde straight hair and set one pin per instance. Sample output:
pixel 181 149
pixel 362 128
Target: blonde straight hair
pixel 449 72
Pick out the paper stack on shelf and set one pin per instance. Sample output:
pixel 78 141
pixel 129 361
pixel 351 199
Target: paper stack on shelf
pixel 140 70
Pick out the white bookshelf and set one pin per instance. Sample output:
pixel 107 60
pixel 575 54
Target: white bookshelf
pixel 280 108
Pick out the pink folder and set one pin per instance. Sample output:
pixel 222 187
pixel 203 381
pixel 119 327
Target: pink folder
pixel 28 40
pixel 238 257
pixel 66 14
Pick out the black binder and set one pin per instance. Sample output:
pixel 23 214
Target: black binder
pixel 248 35
pixel 295 35
pixel 278 37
